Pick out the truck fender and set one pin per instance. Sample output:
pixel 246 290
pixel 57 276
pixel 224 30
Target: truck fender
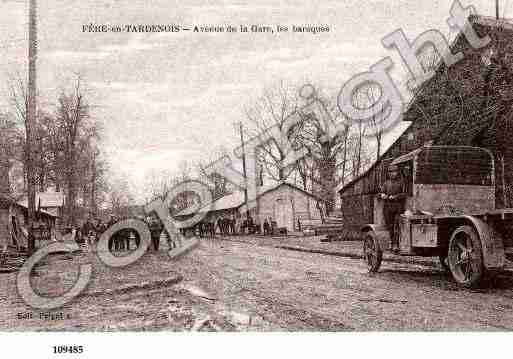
pixel 382 235
pixel 491 243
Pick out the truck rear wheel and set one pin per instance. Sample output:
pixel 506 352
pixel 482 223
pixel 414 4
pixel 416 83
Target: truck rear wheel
pixel 372 253
pixel 465 257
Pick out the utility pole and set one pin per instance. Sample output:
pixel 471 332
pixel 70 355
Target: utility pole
pixel 30 123
pixel 497 9
pixel 244 170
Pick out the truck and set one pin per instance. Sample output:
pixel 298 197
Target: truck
pixel 450 213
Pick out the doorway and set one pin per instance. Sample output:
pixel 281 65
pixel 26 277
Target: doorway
pixel 283 210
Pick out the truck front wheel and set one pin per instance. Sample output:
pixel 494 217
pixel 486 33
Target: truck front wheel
pixel 465 257
pixel 372 253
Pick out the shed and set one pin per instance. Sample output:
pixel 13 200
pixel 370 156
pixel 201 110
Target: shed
pixel 282 202
pixel 5 230
pixel 13 220
pixel 50 202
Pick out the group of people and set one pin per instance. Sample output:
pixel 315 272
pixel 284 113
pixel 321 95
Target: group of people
pixel 229 225
pixel 206 229
pixel 248 226
pixel 92 229
pixel 269 226
pixel 127 239
pixel 225 225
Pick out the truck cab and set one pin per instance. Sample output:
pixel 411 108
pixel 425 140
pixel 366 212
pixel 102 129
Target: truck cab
pixel 449 213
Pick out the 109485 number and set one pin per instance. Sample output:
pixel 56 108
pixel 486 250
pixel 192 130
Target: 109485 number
pixel 68 349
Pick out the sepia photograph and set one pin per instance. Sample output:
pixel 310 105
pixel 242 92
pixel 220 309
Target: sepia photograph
pixel 189 170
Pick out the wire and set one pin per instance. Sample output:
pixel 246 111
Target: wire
pixel 14 40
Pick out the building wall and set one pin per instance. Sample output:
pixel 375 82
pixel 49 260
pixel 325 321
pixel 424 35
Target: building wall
pixel 297 204
pixel 4 227
pixel 449 110
pixel 53 210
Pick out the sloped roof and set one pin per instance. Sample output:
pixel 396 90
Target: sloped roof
pixel 342 186
pixel 408 156
pixel 25 206
pixel 236 199
pixel 491 21
pixel 484 115
pixel 48 199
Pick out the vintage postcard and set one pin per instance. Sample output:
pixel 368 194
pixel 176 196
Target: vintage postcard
pixel 265 166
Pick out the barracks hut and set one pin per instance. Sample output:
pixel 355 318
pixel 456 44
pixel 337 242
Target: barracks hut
pixel 283 202
pixel 13 222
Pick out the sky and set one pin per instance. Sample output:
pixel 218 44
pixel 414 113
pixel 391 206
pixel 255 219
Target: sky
pixel 167 97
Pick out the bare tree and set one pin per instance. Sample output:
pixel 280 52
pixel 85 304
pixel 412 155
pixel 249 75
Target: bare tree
pixel 64 153
pixel 218 184
pixel 93 180
pixel 19 104
pixel 119 196
pixel 367 97
pixel 8 151
pixel 272 110
pixel 326 154
pixel 72 117
pixel 160 183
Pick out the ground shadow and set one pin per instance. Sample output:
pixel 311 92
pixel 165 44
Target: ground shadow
pixel 443 280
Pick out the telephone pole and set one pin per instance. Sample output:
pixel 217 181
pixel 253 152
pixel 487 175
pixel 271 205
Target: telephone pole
pixel 497 9
pixel 30 122
pixel 244 170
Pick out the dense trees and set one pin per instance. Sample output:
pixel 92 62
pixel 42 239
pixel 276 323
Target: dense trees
pixel 272 109
pixel 65 153
pixel 330 160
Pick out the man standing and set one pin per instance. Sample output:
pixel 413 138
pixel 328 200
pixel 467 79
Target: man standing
pixel 113 238
pixel 156 228
pixel 393 192
pixel 87 229
pixel 251 225
pixel 235 226
pixel 266 227
pixel 232 225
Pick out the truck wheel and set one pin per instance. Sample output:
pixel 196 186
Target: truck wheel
pixel 372 254
pixel 465 257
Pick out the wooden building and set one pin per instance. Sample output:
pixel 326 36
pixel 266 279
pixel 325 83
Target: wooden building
pixel 6 204
pixel 282 202
pixel 50 202
pixel 13 224
pixel 469 103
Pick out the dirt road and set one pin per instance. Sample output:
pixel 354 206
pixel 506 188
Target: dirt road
pixel 301 291
pixel 227 285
